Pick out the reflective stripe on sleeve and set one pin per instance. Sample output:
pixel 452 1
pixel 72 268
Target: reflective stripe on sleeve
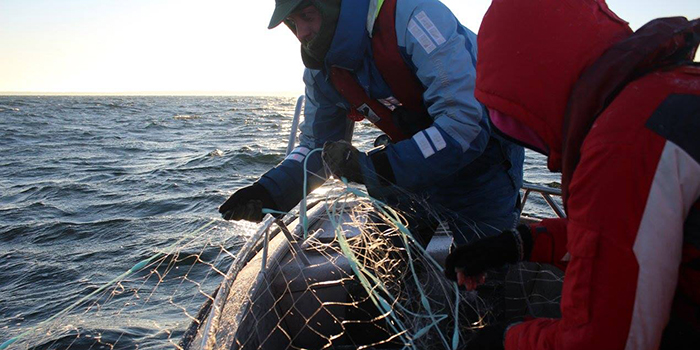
pixel 423 144
pixel 436 138
pixel 298 154
pixel 421 36
pixel 430 27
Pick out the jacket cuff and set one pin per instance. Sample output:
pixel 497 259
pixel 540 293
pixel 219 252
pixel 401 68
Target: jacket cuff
pixel 382 167
pixel 375 181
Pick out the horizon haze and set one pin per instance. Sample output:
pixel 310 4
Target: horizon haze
pixel 177 47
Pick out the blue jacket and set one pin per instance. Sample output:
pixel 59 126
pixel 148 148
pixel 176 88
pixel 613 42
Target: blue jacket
pixel 457 162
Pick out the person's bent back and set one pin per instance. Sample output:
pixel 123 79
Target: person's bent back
pixel 618 113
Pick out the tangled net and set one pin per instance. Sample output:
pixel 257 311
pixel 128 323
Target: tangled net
pixel 346 275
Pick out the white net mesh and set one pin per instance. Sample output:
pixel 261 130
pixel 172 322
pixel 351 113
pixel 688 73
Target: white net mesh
pixel 360 280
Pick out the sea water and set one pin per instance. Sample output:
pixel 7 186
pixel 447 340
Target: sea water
pixel 89 186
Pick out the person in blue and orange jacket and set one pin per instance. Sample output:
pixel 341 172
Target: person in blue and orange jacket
pixel 408 67
pixel 618 113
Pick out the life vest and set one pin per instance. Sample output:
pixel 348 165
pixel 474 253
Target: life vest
pixel 396 73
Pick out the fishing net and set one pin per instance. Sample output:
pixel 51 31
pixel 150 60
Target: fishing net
pixel 344 273
pixel 144 307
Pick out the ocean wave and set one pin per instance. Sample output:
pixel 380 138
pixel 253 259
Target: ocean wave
pixel 216 153
pixel 186 117
pixel 69 336
pixel 274 116
pixel 251 157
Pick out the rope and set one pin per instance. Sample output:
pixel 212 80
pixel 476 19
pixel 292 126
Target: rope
pixel 368 279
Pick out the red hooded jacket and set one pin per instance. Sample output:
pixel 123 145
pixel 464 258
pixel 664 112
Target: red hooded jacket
pixel 619 114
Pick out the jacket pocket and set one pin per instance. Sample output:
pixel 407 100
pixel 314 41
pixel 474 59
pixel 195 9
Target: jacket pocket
pixel 576 302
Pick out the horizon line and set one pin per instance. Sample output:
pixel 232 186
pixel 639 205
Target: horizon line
pixel 152 93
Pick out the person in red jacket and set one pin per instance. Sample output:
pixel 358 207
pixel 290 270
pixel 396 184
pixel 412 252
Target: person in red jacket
pixel 618 113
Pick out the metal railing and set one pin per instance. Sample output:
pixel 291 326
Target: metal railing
pixel 250 249
pixel 295 125
pixel 546 193
pixel 269 220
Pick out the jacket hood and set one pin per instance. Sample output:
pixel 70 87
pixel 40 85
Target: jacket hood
pixel 531 53
pixel 351 39
pixel 314 52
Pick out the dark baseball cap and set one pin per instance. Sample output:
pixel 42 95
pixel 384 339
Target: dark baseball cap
pixel 282 9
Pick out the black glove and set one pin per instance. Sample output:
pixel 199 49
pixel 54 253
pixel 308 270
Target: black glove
pixel 490 337
pixel 510 246
pixel 343 160
pixel 247 204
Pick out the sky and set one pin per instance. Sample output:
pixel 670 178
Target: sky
pixel 184 47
